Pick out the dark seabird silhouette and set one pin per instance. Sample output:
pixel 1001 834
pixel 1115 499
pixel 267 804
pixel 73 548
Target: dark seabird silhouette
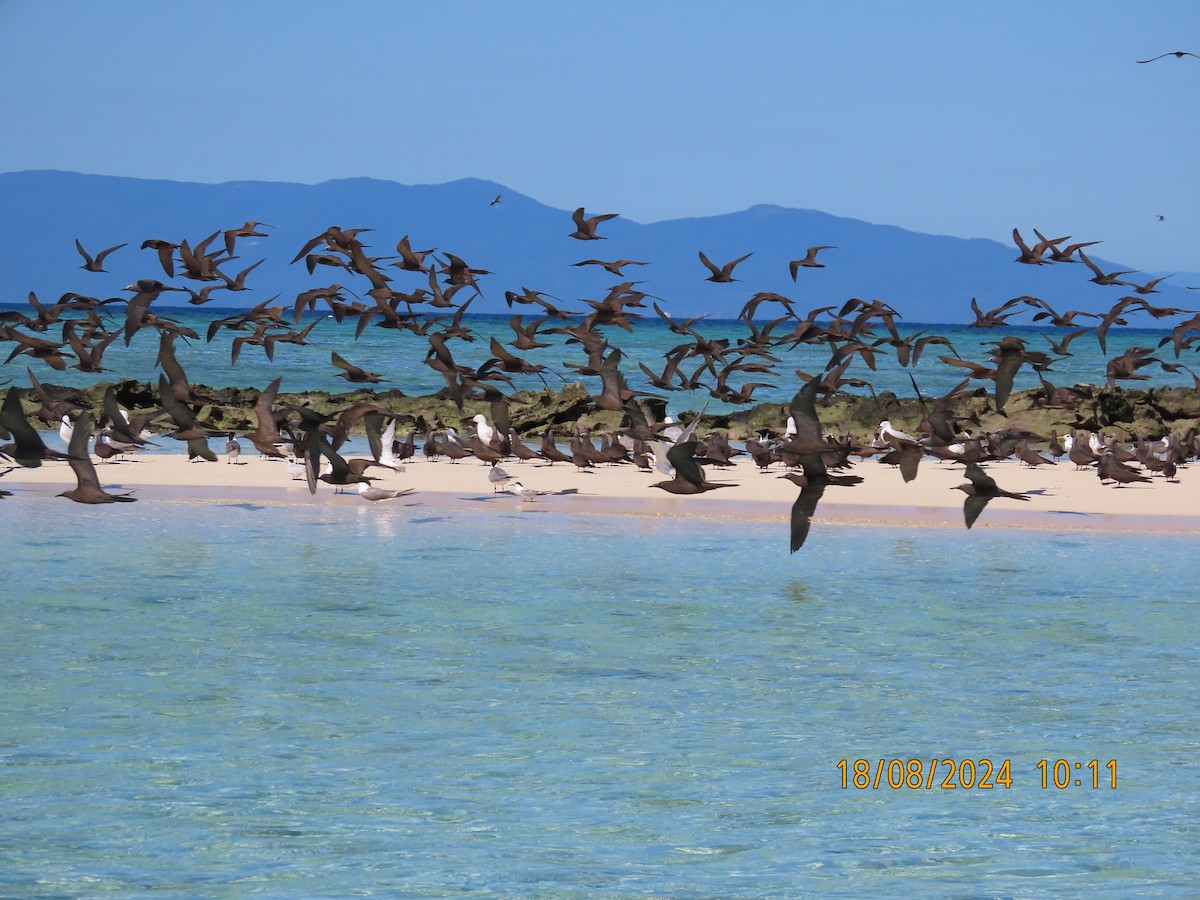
pixel 614 266
pixel 689 477
pixel 87 489
pixel 980 490
pixel 808 443
pixel 28 449
pixel 146 291
pixel 166 254
pixel 353 373
pixel 1178 54
pixel 810 260
pixel 724 273
pixel 1105 278
pixel 94 263
pixel 585 228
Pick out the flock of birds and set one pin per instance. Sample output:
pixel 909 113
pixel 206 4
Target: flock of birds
pixel 434 310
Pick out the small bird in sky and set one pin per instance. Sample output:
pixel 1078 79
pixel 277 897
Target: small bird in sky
pixel 496 201
pixel 725 272
pixel 585 228
pixel 810 259
pixel 1178 54
pixel 94 263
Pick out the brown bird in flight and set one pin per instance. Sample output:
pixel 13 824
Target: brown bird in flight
pixel 980 490
pixel 585 228
pixel 94 263
pixel 725 273
pixel 810 259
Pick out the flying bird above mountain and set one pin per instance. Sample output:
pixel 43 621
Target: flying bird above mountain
pixel 1034 256
pixel 810 260
pixel 585 228
pixel 248 229
pixel 1102 277
pixel 725 273
pixel 96 263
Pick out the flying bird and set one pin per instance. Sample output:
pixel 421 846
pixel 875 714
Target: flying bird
pixel 981 489
pixel 87 488
pixel 96 263
pixel 353 373
pixel 614 266
pixel 810 259
pixel 725 273
pixel 585 228
pixel 1178 54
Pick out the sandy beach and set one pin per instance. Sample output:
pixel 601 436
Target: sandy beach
pixel 1060 496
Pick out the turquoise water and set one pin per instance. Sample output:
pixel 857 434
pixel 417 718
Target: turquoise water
pixel 399 356
pixel 230 700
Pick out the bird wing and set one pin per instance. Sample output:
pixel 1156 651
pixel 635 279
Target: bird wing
pixel 77 452
pixel 973 507
pixel 681 457
pixel 804 411
pixel 803 510
pixel 12 418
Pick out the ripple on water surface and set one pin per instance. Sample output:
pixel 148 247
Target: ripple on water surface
pixel 232 699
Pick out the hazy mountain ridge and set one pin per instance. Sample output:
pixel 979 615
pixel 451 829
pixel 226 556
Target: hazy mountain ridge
pixel 523 243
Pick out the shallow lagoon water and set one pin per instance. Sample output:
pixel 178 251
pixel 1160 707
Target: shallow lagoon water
pixel 221 699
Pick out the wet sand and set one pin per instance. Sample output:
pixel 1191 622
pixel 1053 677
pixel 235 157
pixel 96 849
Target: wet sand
pixel 1060 496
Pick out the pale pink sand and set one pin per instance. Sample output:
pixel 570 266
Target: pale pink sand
pixel 1068 499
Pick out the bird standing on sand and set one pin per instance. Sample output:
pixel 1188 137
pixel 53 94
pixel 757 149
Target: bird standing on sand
pixel 498 477
pixel 1110 469
pixel 689 477
pixel 527 494
pixel 232 451
pixel 375 494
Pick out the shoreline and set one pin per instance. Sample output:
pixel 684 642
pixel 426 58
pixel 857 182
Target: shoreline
pixel 1062 498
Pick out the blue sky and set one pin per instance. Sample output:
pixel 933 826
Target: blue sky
pixel 961 118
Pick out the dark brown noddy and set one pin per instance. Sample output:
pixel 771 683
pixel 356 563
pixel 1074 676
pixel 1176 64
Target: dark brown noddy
pixel 689 476
pixel 980 490
pixel 87 489
pixel 27 449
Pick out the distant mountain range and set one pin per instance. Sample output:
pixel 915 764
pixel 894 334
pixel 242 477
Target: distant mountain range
pixel 523 244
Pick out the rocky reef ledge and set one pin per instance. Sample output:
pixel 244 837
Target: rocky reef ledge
pixel 1148 413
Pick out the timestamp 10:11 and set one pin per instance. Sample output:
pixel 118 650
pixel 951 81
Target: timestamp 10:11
pixel 1062 773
